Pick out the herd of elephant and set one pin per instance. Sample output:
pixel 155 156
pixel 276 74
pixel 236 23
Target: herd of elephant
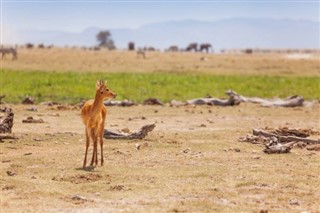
pixel 174 48
pixel 191 47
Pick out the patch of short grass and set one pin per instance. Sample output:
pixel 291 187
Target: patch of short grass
pixel 71 87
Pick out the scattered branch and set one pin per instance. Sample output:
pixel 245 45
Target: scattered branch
pixel 28 100
pixel 232 101
pixel 152 101
pixel 143 132
pixel 7 136
pixel 284 139
pixel 124 103
pixel 292 101
pixel 32 120
pixel 275 147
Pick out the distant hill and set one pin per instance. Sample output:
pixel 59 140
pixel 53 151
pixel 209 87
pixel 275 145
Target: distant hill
pixel 228 33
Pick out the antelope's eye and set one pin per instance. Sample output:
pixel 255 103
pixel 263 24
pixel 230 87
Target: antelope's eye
pixel 107 90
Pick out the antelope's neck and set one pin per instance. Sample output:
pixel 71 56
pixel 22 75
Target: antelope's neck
pixel 96 106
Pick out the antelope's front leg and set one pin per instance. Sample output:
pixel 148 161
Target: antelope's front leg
pixel 101 146
pixel 94 153
pixel 87 146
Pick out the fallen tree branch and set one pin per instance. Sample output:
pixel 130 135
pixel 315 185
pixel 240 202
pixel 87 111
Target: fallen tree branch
pixel 284 139
pixel 28 100
pixel 142 133
pixel 292 101
pixel 152 101
pixel 124 103
pixel 302 133
pixel 232 101
pixel 315 147
pixel 276 148
pixel 7 136
pixel 32 120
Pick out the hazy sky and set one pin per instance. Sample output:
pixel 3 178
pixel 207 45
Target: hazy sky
pixel 75 16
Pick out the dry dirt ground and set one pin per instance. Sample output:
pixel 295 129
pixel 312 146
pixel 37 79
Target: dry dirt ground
pixel 190 162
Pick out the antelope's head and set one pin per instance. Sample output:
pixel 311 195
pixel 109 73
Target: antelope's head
pixel 103 91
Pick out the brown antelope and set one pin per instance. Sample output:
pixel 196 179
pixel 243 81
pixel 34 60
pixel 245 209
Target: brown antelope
pixel 93 114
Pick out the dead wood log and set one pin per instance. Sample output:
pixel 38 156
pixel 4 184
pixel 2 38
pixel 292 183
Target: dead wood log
pixel 302 133
pixel 124 103
pixel 284 139
pixel 6 121
pixel 276 148
pixel 314 147
pixel 292 101
pixel 28 100
pixel 232 101
pixel 177 103
pixel 32 120
pixel 152 101
pixel 254 139
pixel 143 132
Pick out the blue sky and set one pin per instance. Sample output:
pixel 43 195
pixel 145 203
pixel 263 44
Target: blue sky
pixel 75 16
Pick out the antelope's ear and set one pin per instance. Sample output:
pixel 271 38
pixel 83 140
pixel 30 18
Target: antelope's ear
pixel 105 82
pixel 97 84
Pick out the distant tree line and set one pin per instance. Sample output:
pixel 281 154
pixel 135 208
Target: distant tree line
pixel 104 39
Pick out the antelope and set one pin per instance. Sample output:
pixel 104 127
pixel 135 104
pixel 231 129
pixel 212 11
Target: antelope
pixel 93 114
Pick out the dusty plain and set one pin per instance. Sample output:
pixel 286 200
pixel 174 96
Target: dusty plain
pixel 191 162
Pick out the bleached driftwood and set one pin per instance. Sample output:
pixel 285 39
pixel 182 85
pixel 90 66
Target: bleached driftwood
pixel 232 101
pixel 274 147
pixel 302 133
pixel 152 101
pixel 30 119
pixel 6 121
pixel 284 139
pixel 143 132
pixel 124 103
pixel 177 103
pixel 292 101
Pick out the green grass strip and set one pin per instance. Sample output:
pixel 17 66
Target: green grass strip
pixel 73 87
